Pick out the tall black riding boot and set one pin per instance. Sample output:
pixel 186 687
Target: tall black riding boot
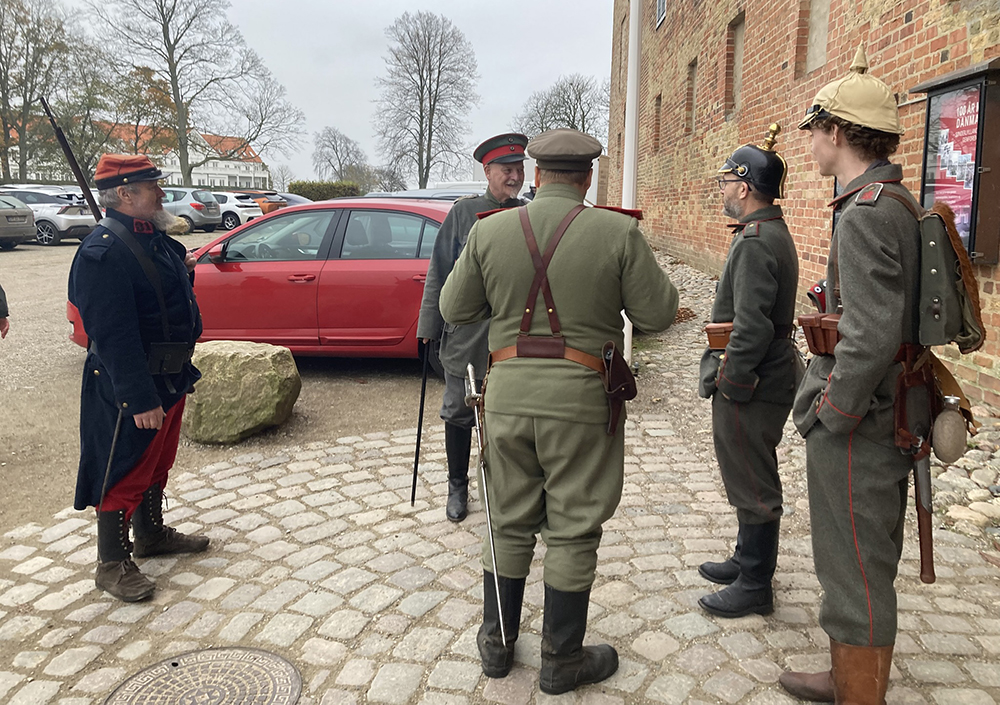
pixel 116 573
pixel 152 538
pixel 566 662
pixel 497 658
pixel 751 592
pixel 458 445
pixel 726 572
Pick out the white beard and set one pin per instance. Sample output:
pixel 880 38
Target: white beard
pixel 168 223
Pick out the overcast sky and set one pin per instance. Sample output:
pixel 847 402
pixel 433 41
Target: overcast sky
pixel 329 53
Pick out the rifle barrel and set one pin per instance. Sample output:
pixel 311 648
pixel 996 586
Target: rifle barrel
pixel 73 164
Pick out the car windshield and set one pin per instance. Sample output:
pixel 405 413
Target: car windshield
pixel 203 196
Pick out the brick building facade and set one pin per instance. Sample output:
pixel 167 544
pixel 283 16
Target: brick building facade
pixel 714 75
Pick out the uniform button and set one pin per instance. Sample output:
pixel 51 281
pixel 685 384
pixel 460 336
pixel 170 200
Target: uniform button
pixel 97 373
pixel 105 236
pixel 124 404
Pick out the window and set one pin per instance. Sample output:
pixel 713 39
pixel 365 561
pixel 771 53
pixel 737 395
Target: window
pixel 819 28
pixel 734 63
pixel 381 235
pixel 661 11
pixel 428 238
pixel 657 111
pixel 293 237
pixel 690 99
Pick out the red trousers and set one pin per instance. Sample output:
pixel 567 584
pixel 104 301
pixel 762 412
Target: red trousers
pixel 152 467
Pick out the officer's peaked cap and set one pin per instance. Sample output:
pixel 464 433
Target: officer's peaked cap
pixel 564 149
pixel 502 149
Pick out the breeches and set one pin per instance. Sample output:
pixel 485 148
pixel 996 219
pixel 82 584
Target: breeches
pixel 153 466
pixel 746 435
pixel 560 479
pixel 453 407
pixel 857 502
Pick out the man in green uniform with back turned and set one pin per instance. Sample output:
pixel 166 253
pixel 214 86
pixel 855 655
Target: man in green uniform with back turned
pixel 552 466
pixel 751 378
pixel 844 407
pixel 502 158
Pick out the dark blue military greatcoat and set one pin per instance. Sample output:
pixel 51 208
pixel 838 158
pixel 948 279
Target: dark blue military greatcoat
pixel 120 312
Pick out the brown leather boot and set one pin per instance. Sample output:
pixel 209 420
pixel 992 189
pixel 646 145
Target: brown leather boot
pixel 152 538
pixel 116 573
pixel 814 687
pixel 860 673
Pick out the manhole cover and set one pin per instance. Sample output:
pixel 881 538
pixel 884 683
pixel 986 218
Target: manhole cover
pixel 213 677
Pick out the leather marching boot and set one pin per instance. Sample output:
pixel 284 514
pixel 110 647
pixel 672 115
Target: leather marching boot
pixel 458 446
pixel 860 673
pixel 566 662
pixel 724 573
pixel 814 687
pixel 497 658
pixel 751 592
pixel 116 573
pixel 152 538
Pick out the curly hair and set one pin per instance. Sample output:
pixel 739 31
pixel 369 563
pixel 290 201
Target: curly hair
pixel 870 144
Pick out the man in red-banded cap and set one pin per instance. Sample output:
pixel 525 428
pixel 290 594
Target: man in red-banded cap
pixel 133 288
pixel 502 158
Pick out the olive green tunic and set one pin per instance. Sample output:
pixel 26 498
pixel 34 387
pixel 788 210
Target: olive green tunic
pixel 553 469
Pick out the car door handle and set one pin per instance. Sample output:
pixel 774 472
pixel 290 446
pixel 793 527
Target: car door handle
pixel 420 278
pixel 301 277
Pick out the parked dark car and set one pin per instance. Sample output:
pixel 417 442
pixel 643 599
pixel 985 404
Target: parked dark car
pixel 17 223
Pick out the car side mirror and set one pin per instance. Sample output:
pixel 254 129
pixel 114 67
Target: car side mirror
pixel 217 254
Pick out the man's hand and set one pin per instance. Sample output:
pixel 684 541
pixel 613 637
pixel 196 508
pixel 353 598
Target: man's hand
pixel 189 261
pixel 4 327
pixel 150 419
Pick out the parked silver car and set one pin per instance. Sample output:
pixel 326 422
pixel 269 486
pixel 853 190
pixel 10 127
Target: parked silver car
pixel 197 206
pixel 59 213
pixel 17 222
pixel 237 208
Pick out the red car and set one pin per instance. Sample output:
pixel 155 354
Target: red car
pixel 340 278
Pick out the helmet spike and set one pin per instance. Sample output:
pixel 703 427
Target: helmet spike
pixel 860 63
pixel 773 130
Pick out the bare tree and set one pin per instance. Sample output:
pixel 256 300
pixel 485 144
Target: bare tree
pixel 281 174
pixel 218 85
pixel 426 94
pixel 335 154
pixel 32 48
pixel 574 101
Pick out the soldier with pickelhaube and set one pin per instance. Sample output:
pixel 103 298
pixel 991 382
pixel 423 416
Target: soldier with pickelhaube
pixel 502 158
pixel 750 371
pixel 844 407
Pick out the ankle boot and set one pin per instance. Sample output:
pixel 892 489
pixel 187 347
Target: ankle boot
pixel 566 662
pixel 860 673
pixel 497 658
pixel 724 573
pixel 458 446
pixel 152 538
pixel 751 592
pixel 116 573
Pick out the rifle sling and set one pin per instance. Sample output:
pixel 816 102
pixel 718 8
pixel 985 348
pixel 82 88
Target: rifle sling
pixel 147 267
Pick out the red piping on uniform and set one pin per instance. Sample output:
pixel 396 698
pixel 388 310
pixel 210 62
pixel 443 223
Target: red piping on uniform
pixel 746 465
pixel 854 530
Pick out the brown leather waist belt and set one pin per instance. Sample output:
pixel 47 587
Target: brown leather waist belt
pixel 572 354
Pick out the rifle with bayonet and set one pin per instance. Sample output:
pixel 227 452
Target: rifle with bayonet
pixel 73 164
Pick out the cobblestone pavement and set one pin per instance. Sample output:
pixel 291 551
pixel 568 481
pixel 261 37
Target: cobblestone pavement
pixel 318 557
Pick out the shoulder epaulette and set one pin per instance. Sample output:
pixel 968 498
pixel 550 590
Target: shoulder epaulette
pixel 752 229
pixel 486 214
pixel 630 212
pixel 869 194
pixel 466 197
pixel 97 245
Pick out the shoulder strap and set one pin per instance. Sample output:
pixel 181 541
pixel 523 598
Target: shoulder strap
pixel 541 263
pixel 916 210
pixel 147 267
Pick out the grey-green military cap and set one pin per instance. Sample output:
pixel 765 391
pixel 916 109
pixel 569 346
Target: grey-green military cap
pixel 564 149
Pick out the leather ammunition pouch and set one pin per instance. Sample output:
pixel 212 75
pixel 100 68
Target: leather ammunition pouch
pixel 820 331
pixel 719 333
pixel 168 358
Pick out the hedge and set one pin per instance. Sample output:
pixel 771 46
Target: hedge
pixel 324 190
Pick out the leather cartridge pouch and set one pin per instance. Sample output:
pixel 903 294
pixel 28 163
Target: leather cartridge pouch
pixel 821 332
pixel 831 335
pixel 718 335
pixel 619 383
pixel 168 358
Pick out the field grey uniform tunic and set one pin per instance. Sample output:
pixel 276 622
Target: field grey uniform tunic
pixel 551 466
pixel 844 408
pixel 759 371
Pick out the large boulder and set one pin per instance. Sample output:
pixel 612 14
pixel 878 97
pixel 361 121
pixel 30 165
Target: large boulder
pixel 245 388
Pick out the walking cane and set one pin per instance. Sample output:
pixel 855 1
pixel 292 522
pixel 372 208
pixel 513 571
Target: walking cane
pixel 474 399
pixel 107 472
pixel 420 422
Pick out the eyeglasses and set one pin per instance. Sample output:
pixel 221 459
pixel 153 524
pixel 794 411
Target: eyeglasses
pixel 722 182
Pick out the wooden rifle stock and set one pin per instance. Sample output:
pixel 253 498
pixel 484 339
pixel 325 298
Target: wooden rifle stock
pixel 73 164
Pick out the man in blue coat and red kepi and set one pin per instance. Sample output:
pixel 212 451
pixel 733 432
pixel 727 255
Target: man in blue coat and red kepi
pixel 133 287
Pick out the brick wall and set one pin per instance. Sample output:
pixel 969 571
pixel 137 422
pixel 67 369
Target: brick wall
pixel 907 42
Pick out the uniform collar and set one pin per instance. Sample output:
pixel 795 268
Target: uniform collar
pixel 883 173
pixel 492 200
pixel 135 225
pixel 771 212
pixel 558 191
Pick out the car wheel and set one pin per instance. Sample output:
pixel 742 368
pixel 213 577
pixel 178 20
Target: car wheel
pixel 46 233
pixel 190 224
pixel 230 221
pixel 7 245
pixel 435 359
pixel 210 228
